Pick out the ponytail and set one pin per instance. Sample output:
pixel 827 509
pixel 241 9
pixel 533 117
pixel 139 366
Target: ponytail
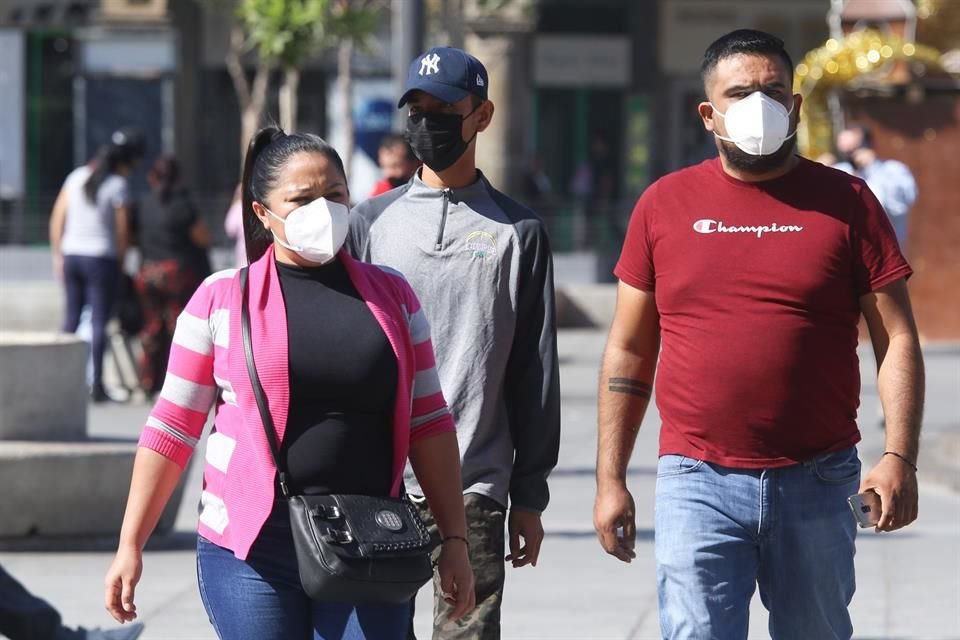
pixel 255 237
pixel 104 164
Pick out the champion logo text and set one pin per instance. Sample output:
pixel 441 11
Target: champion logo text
pixel 707 225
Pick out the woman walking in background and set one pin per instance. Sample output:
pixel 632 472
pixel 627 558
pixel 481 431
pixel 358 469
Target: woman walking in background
pixel 173 243
pixel 89 236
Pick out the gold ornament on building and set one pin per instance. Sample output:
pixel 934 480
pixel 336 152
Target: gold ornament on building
pixel 871 58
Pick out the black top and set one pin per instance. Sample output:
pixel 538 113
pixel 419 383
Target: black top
pixel 343 378
pixel 163 232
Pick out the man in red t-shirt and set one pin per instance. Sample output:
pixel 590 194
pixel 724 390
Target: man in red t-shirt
pixel 746 276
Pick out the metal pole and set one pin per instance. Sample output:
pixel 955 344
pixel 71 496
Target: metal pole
pixel 407 26
pixel 833 18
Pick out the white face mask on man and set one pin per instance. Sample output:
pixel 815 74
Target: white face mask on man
pixel 316 231
pixel 758 124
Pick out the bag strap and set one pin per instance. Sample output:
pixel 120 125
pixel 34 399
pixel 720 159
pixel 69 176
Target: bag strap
pixel 258 392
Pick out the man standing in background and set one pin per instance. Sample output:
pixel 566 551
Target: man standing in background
pixel 397 163
pixel 889 180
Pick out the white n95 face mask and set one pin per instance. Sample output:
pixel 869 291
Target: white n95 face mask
pixel 758 124
pixel 315 231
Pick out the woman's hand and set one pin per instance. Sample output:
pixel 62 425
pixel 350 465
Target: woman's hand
pixel 58 265
pixel 456 577
pixel 120 582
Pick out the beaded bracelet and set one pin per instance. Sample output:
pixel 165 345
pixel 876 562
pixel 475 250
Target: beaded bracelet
pixel 447 538
pixel 909 464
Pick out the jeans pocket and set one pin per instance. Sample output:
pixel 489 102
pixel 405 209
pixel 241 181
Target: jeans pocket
pixel 838 467
pixel 673 465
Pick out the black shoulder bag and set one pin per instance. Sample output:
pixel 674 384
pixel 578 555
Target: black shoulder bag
pixel 350 548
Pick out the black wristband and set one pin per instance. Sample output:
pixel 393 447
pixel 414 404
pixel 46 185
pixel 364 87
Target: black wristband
pixel 448 538
pixel 909 464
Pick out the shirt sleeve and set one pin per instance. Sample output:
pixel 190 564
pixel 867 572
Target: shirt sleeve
pixel 119 193
pixel 635 266
pixel 233 221
pixel 189 391
pixel 356 242
pixel 532 381
pixel 877 257
pixel 904 186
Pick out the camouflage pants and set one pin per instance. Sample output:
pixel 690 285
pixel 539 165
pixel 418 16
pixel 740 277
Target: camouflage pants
pixel 485 531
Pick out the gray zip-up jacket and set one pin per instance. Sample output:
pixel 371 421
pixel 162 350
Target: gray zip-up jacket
pixel 481 265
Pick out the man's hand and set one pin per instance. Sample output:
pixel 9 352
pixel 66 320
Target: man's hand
pixel 613 509
pixel 896 484
pixel 526 525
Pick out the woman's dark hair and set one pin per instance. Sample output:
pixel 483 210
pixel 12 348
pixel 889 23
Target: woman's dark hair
pixel 125 147
pixel 164 176
pixel 267 154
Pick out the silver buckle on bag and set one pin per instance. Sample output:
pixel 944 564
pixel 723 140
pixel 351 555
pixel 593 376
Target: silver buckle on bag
pixel 326 511
pixel 337 536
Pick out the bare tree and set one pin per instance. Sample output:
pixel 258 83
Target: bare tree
pixel 251 97
pixel 284 34
pixel 352 24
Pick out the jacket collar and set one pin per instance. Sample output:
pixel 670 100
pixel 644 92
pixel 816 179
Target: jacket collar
pixel 419 189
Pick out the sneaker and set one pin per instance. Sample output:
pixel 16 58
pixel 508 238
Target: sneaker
pixel 129 631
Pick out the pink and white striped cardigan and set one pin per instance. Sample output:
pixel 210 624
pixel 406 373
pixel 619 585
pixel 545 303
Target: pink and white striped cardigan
pixel 207 367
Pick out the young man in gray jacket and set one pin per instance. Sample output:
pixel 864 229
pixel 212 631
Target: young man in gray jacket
pixel 482 268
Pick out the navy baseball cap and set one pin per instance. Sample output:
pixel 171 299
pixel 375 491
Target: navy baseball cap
pixel 447 74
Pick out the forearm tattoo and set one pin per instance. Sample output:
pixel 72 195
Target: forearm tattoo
pixel 630 386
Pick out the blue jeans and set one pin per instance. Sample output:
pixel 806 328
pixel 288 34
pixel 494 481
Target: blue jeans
pixel 24 616
pixel 720 532
pixel 93 281
pixel 261 598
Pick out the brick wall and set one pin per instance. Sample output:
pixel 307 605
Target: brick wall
pixel 925 135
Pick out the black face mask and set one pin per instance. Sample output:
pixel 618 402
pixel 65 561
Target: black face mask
pixel 436 138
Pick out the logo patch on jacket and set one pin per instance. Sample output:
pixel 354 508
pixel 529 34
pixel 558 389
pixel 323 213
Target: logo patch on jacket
pixel 481 246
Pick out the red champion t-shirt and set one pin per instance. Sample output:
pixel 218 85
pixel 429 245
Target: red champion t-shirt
pixel 757 286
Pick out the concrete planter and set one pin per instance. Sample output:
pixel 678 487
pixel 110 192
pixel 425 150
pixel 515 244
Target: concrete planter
pixel 43 391
pixel 55 481
pixel 69 488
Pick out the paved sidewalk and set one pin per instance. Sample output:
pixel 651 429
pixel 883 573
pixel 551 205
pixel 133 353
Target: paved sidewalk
pixel 908 581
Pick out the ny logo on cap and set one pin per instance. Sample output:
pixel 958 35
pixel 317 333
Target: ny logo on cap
pixel 429 64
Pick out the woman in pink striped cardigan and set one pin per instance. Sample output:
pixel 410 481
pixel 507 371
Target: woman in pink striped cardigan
pixel 343 353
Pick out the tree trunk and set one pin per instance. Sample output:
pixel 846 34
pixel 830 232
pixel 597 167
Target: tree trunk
pixel 345 88
pixel 251 99
pixel 288 99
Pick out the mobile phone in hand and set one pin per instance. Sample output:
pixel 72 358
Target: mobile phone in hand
pixel 866 508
